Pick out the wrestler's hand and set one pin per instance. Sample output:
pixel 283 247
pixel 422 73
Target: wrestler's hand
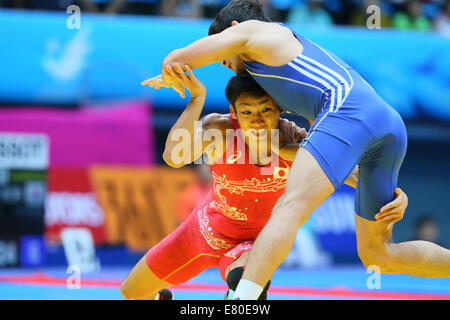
pixel 290 132
pixel 189 81
pixel 394 210
pixel 166 82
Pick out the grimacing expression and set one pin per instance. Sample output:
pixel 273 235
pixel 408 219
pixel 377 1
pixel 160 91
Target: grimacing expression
pixel 257 116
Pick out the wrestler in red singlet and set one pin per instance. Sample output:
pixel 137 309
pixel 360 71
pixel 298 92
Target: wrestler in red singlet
pixel 225 226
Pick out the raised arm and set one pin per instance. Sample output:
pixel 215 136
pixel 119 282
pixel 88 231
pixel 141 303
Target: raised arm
pixel 208 50
pixel 250 40
pixel 211 49
pixel 186 141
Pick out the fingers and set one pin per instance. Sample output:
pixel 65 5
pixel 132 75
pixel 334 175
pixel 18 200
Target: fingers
pixel 172 81
pixel 394 207
pixel 399 200
pixel 391 221
pixel 285 130
pixel 151 83
pixel 294 133
pixel 171 74
pixel 396 212
pixel 283 123
pixel 155 81
pixel 190 73
pixel 402 196
pixel 180 73
pixel 178 77
pixel 301 133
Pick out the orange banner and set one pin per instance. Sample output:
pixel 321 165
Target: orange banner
pixel 139 203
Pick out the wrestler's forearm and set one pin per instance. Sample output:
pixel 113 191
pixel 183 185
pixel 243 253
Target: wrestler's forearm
pixel 183 128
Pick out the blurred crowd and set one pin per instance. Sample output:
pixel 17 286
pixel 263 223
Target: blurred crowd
pixel 422 15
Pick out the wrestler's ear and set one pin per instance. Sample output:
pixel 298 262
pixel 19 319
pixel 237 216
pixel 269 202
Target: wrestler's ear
pixel 234 23
pixel 233 112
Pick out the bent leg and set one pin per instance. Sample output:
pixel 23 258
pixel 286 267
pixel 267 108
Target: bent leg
pixel 378 172
pixel 417 258
pixel 307 187
pixel 176 259
pixel 141 283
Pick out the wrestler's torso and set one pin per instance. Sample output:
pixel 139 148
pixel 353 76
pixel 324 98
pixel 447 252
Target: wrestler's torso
pixel 244 194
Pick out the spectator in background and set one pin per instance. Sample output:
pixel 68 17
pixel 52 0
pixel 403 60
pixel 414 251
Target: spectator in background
pixel 310 13
pixel 442 21
pixel 427 229
pixel 212 7
pixel 412 19
pixel 277 10
pixel 15 4
pixel 109 7
pixel 194 194
pixel 190 9
pixel 36 4
pixel 398 4
pixel 341 11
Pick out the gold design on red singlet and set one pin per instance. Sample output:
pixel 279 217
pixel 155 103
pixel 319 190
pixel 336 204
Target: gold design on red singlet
pixel 227 211
pixel 212 240
pixel 240 187
pixel 251 185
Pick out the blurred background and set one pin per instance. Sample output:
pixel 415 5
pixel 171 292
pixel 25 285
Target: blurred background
pixel 82 179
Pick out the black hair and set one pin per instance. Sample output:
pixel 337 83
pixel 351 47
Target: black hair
pixel 239 10
pixel 243 83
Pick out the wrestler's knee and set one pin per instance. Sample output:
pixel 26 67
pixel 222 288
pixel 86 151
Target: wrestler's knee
pixel 374 245
pixel 377 257
pixel 294 209
pixel 126 290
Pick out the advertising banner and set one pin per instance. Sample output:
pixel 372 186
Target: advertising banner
pixel 23 182
pixel 113 134
pixel 139 203
pixel 71 203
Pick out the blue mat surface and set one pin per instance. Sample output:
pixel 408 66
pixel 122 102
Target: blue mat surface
pixel 352 282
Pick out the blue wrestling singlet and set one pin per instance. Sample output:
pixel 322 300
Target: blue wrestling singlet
pixel 353 125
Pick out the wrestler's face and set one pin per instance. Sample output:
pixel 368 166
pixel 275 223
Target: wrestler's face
pixel 256 116
pixel 235 63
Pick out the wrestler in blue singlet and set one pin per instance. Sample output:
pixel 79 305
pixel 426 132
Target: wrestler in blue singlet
pixel 353 125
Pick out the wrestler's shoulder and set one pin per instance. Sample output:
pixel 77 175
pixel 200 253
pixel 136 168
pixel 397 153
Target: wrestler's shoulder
pixel 217 121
